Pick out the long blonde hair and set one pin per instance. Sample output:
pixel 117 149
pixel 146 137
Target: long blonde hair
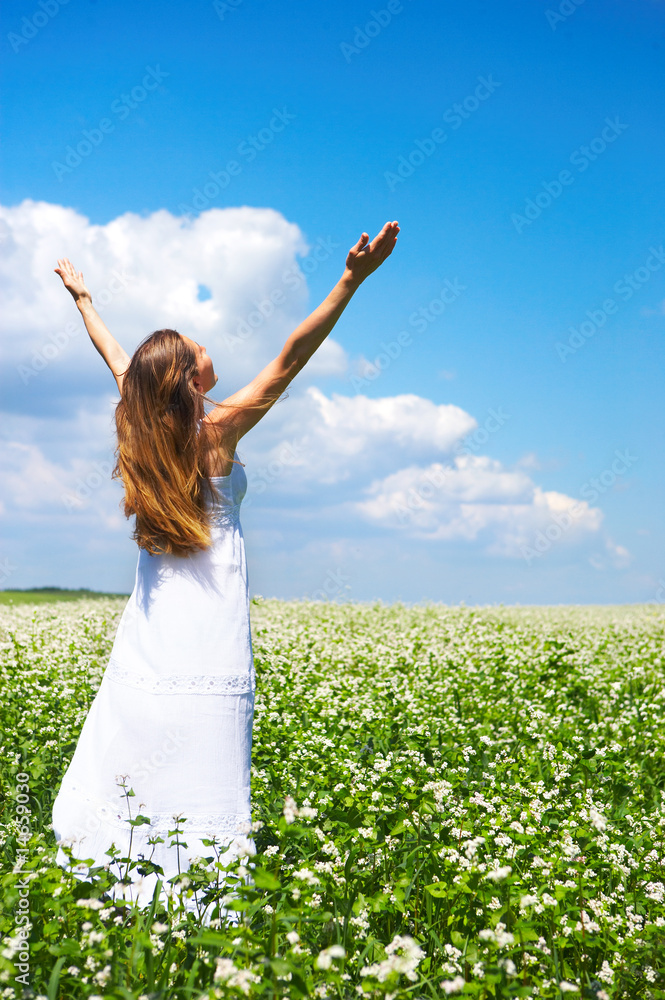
pixel 160 452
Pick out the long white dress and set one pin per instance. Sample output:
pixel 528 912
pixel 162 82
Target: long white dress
pixel 173 714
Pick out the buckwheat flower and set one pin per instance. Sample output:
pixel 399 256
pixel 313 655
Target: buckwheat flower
pixel 91 904
pixel 495 904
pixel 655 891
pixel 606 973
pixel 498 874
pixel 290 809
pixel 597 819
pixel 103 977
pixel 224 970
pixel 272 849
pixel 307 812
pixel 306 876
pixel 567 987
pixel 325 957
pixel 527 900
pixel 455 985
pixel 293 937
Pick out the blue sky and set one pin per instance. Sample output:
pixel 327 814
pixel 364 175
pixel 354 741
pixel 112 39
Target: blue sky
pixel 337 99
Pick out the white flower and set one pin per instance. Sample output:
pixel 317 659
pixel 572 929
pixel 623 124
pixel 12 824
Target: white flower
pixel 405 963
pixel 325 957
pixel 455 985
pixel 91 904
pixel 290 809
pixel 293 937
pixel 567 987
pixel 597 819
pixel 498 874
pixel 227 972
pixel 103 977
pixel 606 973
pixel 306 876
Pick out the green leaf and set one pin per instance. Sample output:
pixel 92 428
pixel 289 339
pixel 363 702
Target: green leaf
pixel 54 979
pixel 264 879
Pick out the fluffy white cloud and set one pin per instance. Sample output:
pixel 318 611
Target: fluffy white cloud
pixel 145 273
pixel 347 438
pixel 475 499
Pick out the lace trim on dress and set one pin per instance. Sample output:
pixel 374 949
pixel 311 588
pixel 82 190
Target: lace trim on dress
pixel 224 824
pixel 230 684
pixel 223 515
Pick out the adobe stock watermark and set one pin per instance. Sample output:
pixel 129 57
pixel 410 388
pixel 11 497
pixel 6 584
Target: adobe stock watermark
pixel 560 523
pixel 378 20
pixel 414 501
pixel 565 10
pixel 291 279
pixel 259 480
pixel 7 567
pixel 419 320
pixel 335 584
pixel 86 486
pixel 121 107
pixel 224 7
pixel 31 26
pixel 455 116
pixel 22 918
pixel 247 150
pixel 581 158
pixel 59 341
pixel 473 442
pixel 142 769
pixel 624 288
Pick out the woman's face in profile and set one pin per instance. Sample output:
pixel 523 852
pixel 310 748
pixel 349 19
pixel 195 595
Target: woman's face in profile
pixel 206 379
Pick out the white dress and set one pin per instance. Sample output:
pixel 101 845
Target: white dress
pixel 173 713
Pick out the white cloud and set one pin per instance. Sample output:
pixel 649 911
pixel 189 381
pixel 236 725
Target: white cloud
pixel 347 438
pixel 145 272
pixel 473 499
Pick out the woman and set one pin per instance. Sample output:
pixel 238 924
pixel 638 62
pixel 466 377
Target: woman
pixel 172 719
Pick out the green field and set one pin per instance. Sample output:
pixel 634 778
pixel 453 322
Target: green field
pixel 448 802
pixel 46 595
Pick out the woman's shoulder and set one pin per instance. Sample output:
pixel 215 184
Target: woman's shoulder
pixel 218 452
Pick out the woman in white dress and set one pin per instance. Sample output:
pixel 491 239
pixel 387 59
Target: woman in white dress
pixel 172 719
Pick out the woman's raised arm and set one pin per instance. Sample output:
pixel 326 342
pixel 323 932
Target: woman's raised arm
pixel 245 405
pixel 114 355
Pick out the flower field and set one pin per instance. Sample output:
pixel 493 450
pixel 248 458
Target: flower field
pixel 446 801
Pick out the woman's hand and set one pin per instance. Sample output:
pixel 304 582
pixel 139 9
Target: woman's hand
pixel 365 257
pixel 72 280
